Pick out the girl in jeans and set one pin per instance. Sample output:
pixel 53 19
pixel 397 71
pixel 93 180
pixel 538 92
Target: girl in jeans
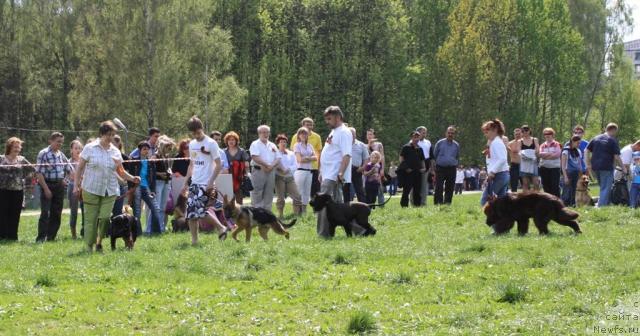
pixel 571 170
pixel 74 202
pixel 372 176
pixel 497 162
pixel 305 155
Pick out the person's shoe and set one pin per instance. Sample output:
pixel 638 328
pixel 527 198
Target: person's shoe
pixel 223 235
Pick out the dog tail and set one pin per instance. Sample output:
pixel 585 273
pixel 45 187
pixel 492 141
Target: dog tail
pixel 287 226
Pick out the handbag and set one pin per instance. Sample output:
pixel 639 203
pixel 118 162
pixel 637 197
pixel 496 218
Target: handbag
pixel 246 186
pixel 170 205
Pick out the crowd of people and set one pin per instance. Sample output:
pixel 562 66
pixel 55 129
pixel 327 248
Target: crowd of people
pixel 99 179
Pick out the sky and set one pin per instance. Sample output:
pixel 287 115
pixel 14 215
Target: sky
pixel 635 34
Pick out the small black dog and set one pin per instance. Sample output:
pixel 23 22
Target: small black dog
pixel 502 212
pixel 352 216
pixel 124 226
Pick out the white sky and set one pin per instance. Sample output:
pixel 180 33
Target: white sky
pixel 635 34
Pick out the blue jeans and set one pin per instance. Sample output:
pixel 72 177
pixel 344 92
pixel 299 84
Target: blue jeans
pixel 162 196
pixel 633 195
pixel 605 180
pixel 119 203
pixel 569 190
pixel 393 186
pixel 144 195
pixel 498 186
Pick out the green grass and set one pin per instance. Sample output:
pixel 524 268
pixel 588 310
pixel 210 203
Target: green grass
pixel 428 271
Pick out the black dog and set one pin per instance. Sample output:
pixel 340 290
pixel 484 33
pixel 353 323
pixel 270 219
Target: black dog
pixel 124 226
pixel 345 215
pixel 542 207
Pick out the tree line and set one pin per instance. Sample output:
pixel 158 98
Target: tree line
pixel 392 65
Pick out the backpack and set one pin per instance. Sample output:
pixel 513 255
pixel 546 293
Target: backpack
pixel 619 192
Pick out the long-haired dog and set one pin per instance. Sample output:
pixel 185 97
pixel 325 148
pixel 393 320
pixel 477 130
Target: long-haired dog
pixel 352 216
pixel 247 217
pixel 504 211
pixel 124 226
pixel 583 198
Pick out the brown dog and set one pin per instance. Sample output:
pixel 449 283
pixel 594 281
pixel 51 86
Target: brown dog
pixel 504 211
pixel 583 198
pixel 246 218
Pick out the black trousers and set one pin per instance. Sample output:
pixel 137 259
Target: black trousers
pixel 346 193
pixel 412 183
pixel 445 177
pixel 50 212
pixel 356 180
pixel 550 180
pixel 10 209
pixel 315 183
pixel 514 175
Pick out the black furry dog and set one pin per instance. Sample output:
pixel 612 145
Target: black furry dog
pixel 348 215
pixel 502 212
pixel 124 226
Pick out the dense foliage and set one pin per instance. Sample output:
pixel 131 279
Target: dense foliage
pixel 391 64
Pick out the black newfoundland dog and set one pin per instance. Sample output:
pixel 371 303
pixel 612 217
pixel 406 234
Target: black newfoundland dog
pixel 353 217
pixel 504 211
pixel 124 226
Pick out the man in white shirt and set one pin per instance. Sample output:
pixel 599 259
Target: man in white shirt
pixel 204 168
pixel 217 137
pixel 264 160
pixel 626 156
pixel 336 155
pixel 425 145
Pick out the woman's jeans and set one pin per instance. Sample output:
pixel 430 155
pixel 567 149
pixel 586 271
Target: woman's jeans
pixel 569 190
pixel 393 186
pixel 144 195
pixel 119 203
pixel 633 194
pixel 162 196
pixel 74 204
pixel 498 186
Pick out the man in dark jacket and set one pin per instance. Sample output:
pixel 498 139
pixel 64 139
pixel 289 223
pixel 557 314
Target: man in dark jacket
pixel 410 171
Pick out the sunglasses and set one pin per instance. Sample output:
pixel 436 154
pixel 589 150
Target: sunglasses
pixel 548 134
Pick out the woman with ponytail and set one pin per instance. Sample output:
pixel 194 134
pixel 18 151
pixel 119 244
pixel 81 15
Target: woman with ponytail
pixel 497 162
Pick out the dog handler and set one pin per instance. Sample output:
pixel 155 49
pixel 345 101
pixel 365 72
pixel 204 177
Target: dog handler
pixel 98 162
pixel 334 161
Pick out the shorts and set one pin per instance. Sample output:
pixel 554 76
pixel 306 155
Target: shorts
pixel 197 201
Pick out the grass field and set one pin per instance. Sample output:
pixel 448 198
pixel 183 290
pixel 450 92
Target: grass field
pixel 428 271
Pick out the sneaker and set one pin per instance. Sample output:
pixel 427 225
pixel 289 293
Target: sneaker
pixel 223 235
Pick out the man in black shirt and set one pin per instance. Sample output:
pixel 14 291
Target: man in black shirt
pixel 410 170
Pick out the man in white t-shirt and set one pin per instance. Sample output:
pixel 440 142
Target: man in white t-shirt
pixel 425 145
pixel 626 156
pixel 264 160
pixel 204 167
pixel 336 155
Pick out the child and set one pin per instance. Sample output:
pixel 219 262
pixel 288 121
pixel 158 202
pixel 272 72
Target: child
pixel 372 176
pixel 459 180
pixel 393 183
pixel 635 180
pixel 216 216
pixel 146 171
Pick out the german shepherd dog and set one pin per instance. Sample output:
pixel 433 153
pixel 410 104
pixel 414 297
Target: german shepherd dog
pixel 502 212
pixel 124 226
pixel 246 218
pixel 345 215
pixel 583 198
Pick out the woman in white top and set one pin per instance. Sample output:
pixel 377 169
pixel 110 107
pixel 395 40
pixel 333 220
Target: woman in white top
pixel 497 162
pixel 100 161
pixel 285 184
pixel 303 176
